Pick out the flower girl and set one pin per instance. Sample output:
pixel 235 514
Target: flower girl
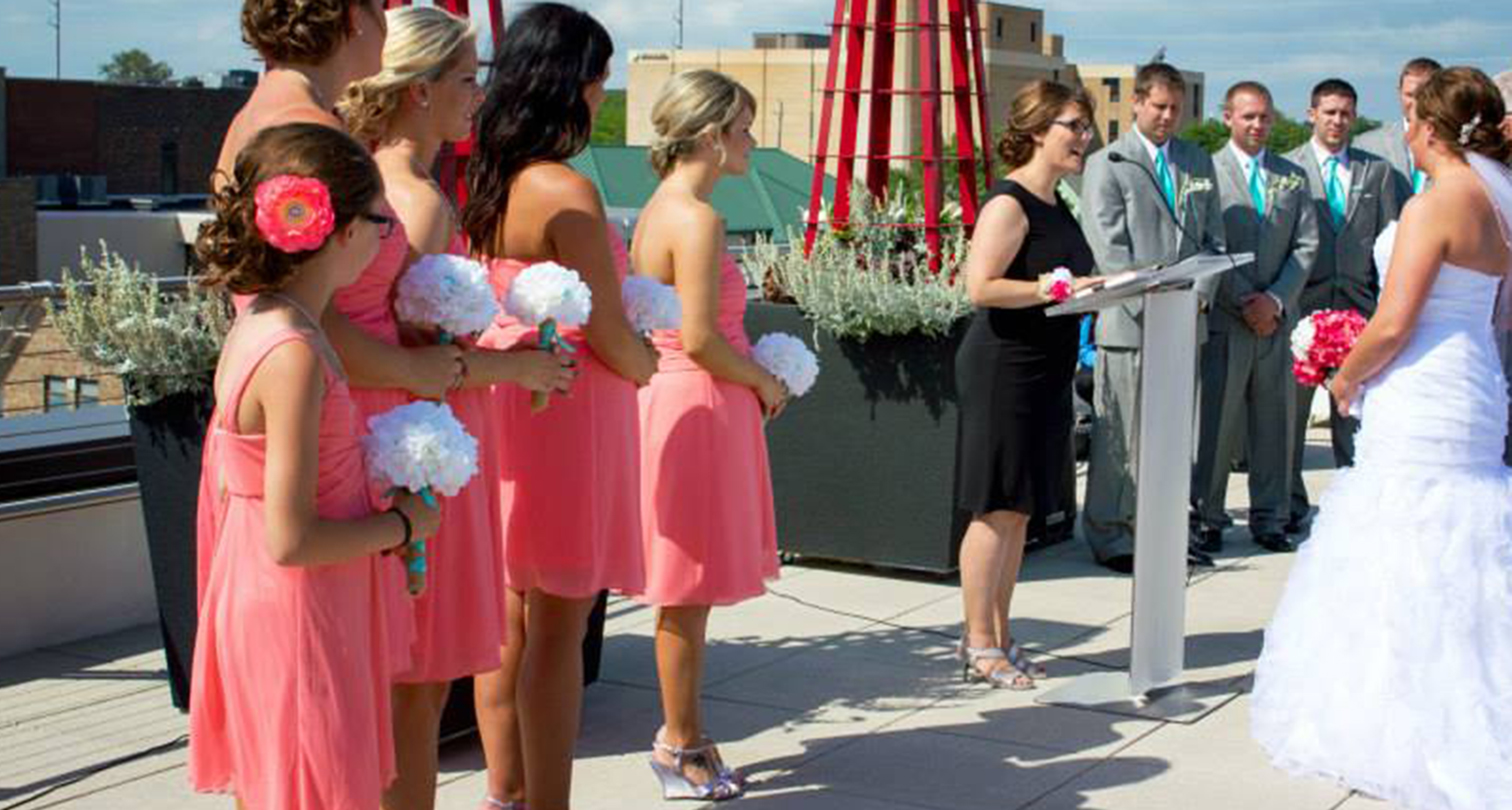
pixel 289 708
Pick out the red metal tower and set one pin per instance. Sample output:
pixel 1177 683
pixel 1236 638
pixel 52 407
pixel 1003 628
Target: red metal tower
pixel 854 20
pixel 451 168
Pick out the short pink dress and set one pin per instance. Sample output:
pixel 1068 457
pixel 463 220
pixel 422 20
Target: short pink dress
pixel 368 303
pixel 706 490
pixel 569 480
pixel 289 707
pixel 458 622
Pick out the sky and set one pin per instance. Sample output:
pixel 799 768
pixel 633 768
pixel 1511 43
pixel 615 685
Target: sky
pixel 1288 44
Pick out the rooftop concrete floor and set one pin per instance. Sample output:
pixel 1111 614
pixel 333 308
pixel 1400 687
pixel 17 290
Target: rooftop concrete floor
pixel 838 690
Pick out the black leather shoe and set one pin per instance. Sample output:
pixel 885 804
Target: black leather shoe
pixel 1210 541
pixel 1274 541
pixel 1297 524
pixel 1119 563
pixel 1198 558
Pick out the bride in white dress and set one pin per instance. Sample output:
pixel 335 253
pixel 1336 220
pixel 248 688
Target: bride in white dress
pixel 1388 665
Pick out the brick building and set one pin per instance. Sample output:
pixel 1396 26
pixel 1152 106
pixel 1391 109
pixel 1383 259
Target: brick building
pixel 142 140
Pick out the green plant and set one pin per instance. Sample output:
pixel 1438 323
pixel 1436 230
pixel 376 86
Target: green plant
pixel 870 277
pixel 114 316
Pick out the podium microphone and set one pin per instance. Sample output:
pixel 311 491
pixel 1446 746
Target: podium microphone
pixel 1116 157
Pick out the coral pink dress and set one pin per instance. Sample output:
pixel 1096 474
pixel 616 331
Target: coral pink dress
pixel 706 491
pixel 569 476
pixel 368 303
pixel 289 707
pixel 459 620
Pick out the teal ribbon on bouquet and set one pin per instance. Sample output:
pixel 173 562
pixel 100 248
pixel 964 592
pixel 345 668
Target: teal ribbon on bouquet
pixel 416 564
pixel 550 340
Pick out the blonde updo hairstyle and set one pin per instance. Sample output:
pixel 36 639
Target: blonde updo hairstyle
pixel 1034 110
pixel 1465 111
pixel 423 44
pixel 694 105
pixel 305 32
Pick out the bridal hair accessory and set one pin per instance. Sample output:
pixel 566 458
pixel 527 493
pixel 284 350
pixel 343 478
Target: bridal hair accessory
pixel 1468 129
pixel 294 213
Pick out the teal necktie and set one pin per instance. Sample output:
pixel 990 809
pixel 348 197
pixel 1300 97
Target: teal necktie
pixel 1163 172
pixel 1335 191
pixel 1257 187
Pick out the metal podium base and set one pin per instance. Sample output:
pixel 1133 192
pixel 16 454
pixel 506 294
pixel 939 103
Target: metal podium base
pixel 1111 692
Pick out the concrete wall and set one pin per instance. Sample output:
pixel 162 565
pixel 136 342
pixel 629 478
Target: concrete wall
pixel 158 240
pixel 73 574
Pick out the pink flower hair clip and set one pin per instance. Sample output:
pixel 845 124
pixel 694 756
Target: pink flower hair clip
pixel 294 213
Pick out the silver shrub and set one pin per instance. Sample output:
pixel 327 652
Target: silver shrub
pixel 869 278
pixel 161 344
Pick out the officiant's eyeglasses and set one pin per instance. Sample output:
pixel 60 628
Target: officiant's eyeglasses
pixel 1078 127
pixel 385 224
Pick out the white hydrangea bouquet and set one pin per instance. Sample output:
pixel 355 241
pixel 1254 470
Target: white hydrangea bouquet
pixel 650 304
pixel 549 296
pixel 789 360
pixel 448 292
pixel 422 448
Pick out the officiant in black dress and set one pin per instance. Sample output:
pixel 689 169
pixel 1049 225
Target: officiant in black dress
pixel 1015 367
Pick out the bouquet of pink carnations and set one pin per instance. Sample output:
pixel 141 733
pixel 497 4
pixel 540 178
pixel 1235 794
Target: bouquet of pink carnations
pixel 1321 341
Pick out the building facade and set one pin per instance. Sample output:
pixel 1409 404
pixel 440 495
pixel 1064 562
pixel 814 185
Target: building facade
pixel 786 73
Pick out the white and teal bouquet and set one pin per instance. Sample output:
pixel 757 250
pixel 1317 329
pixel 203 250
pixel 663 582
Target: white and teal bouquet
pixel 549 296
pixel 448 292
pixel 422 448
pixel 789 360
pixel 650 304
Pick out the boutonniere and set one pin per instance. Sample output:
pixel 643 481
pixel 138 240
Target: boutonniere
pixel 1190 186
pixel 1283 183
pixel 1069 197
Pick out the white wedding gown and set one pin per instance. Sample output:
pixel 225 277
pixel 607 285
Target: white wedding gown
pixel 1388 664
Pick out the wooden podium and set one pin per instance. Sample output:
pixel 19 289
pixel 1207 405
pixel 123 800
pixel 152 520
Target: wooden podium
pixel 1163 461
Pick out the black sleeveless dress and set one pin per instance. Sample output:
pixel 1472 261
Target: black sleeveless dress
pixel 1013 375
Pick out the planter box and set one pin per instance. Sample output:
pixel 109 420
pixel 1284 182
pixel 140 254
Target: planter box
pixel 167 438
pixel 863 466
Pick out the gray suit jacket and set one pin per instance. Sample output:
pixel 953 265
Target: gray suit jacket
pixel 1285 241
pixel 1128 225
pixel 1389 141
pixel 1344 274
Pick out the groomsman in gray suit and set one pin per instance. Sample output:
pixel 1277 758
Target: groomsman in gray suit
pixel 1248 397
pixel 1131 207
pixel 1390 139
pixel 1356 198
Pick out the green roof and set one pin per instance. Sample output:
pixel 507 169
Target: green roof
pixel 769 199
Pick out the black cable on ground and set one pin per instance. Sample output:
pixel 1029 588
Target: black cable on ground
pixel 160 748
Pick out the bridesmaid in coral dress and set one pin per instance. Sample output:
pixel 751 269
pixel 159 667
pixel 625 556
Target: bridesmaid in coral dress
pixel 706 493
pixel 425 96
pixel 569 475
pixel 289 708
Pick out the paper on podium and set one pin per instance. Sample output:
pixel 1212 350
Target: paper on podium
pixel 1121 286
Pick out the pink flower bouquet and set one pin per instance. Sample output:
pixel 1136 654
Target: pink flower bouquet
pixel 1321 341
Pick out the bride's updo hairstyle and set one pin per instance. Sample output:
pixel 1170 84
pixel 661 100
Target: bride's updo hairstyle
pixel 1465 110
pixel 1034 111
pixel 302 32
pixel 423 44
pixel 692 106
pixel 233 250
